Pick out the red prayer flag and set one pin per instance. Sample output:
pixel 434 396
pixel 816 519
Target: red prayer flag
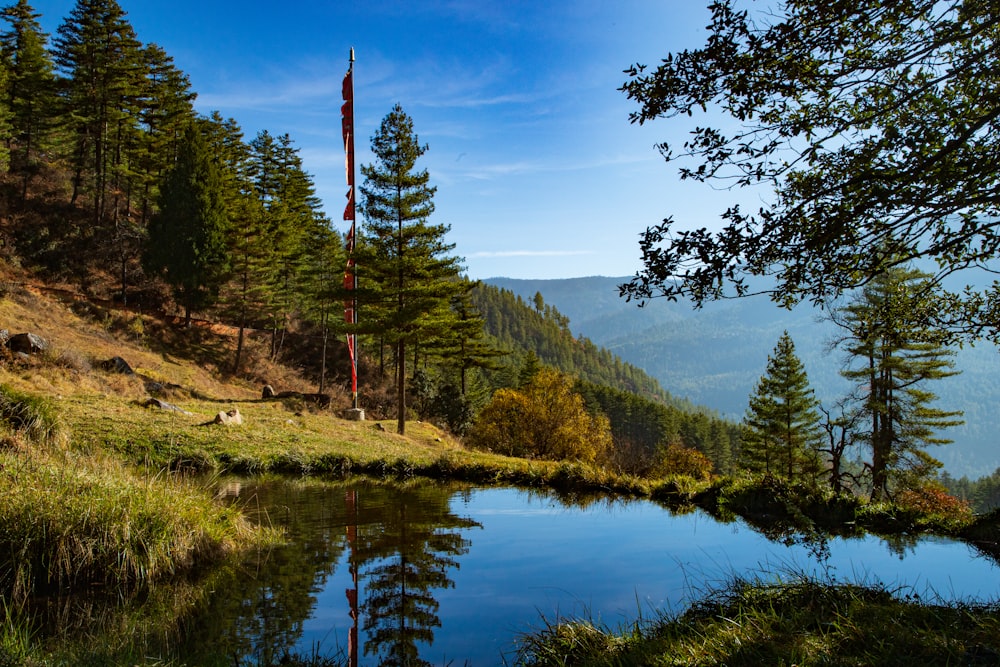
pixel 349 208
pixel 350 280
pixel 347 91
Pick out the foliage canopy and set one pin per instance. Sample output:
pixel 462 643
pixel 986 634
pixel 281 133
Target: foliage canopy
pixel 875 124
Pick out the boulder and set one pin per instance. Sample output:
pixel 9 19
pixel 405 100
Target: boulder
pixel 230 418
pixel 117 365
pixel 27 343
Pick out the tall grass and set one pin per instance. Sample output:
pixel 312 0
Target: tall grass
pixel 72 519
pixel 29 417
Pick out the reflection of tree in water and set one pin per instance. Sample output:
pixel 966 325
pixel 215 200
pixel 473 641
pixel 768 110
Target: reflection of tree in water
pixel 257 612
pixel 404 551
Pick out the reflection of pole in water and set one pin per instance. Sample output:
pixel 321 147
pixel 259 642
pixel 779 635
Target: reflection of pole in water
pixel 351 498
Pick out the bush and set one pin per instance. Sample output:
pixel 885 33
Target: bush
pixel 29 416
pixel 932 500
pixel 676 459
pixel 544 420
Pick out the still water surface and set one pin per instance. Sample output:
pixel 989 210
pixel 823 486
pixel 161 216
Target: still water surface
pixel 433 574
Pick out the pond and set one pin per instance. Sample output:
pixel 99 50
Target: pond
pixel 428 573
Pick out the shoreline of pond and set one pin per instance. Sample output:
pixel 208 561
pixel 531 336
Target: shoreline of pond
pixel 153 454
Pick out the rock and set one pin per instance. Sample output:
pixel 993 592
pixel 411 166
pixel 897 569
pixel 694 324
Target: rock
pixel 230 418
pixel 27 343
pixel 4 336
pixel 117 365
pixel 267 391
pixel 163 405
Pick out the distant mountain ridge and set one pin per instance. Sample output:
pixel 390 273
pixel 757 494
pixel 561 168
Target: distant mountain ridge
pixel 713 356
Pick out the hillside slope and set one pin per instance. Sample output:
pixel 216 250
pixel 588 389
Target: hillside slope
pixel 715 355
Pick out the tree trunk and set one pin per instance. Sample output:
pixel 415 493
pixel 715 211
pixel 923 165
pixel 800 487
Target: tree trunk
pixel 401 387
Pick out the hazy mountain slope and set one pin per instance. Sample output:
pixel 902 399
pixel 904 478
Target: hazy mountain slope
pixel 715 355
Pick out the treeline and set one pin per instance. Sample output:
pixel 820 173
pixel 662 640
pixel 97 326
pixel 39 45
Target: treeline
pixel 95 126
pixel 644 418
pixel 982 494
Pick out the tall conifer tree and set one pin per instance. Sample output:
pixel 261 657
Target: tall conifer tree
pixel 893 355
pixel 97 51
pixel 187 238
pixel 30 91
pixel 406 274
pixel 781 431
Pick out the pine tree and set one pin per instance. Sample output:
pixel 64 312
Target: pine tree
pixel 5 132
pixel 323 273
pixel 781 431
pixel 247 295
pixel 165 111
pixel 187 238
pixel 30 91
pixel 97 52
pixel 287 196
pixel 892 356
pixel 405 274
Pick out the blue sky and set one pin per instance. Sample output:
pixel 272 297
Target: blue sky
pixel 539 172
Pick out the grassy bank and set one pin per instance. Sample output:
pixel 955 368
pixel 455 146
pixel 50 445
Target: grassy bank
pixel 797 622
pixel 74 519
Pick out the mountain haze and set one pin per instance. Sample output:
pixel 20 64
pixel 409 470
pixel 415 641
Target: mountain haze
pixel 715 355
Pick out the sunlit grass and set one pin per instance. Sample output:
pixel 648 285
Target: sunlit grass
pixel 72 520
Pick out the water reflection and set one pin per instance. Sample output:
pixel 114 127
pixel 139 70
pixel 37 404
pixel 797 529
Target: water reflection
pixel 427 573
pixel 398 543
pixel 403 551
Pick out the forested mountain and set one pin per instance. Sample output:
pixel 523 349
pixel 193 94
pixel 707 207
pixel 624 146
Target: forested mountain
pixel 644 417
pixel 714 355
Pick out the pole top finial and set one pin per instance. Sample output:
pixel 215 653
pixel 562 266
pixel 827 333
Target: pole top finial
pixel 352 54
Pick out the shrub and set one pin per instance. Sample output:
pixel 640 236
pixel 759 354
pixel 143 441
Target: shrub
pixel 27 415
pixel 931 499
pixel 546 419
pixel 676 459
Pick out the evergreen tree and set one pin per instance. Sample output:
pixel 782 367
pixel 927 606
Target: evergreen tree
pixel 892 355
pixel 30 90
pixel 187 238
pixel 781 431
pixel 165 112
pixel 466 346
pixel 5 133
pixel 323 272
pixel 286 194
pixel 405 273
pixel 97 52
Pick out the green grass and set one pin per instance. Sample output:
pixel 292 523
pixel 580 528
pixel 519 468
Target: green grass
pixel 72 521
pixel 73 518
pixel 796 622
